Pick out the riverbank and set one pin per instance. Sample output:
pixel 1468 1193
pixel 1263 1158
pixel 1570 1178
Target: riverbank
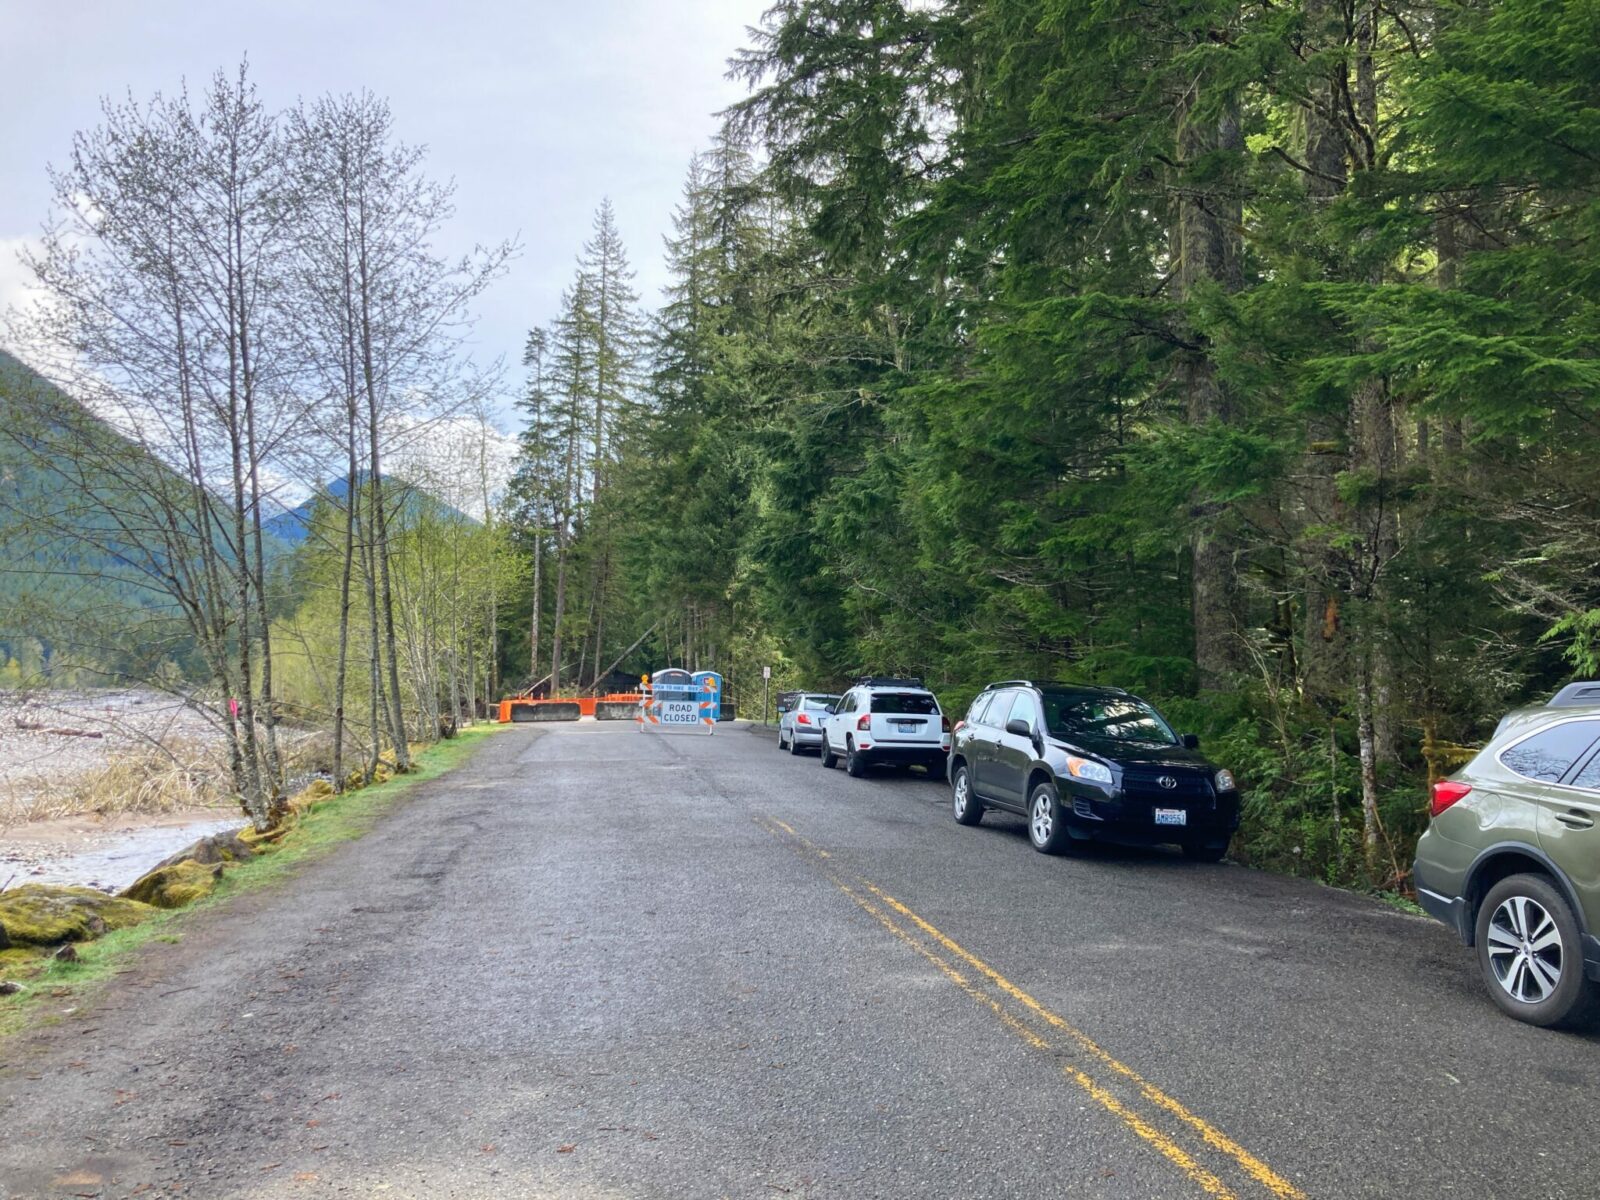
pixel 119 753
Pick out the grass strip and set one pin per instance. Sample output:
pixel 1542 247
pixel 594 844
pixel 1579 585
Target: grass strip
pixel 56 989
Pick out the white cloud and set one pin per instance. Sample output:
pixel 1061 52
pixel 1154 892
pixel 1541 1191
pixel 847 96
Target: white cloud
pixel 16 280
pixel 456 459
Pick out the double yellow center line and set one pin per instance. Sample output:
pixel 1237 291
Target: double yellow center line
pixel 1216 1163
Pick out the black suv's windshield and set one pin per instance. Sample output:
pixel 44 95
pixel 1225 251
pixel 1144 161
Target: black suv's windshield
pixel 1120 718
pixel 904 702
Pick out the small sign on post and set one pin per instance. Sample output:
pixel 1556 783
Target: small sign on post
pixel 766 681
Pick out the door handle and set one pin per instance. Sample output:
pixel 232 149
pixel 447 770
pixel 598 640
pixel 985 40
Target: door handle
pixel 1575 818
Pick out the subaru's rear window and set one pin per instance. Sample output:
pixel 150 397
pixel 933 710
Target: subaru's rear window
pixel 819 703
pixel 1548 754
pixel 919 703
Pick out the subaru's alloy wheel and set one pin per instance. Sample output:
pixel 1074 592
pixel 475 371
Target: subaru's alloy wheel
pixel 1525 950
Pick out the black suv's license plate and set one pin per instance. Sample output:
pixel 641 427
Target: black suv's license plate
pixel 1171 816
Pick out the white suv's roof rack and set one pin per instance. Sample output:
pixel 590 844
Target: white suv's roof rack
pixel 888 681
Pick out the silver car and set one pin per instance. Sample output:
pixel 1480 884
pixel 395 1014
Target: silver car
pixel 800 725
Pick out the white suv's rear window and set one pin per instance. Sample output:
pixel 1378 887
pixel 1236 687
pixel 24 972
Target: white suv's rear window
pixel 916 703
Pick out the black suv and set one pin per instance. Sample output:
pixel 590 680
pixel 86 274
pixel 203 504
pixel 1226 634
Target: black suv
pixel 1088 764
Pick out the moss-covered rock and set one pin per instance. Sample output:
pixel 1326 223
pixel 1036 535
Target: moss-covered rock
pixel 177 885
pixel 38 914
pixel 262 841
pixel 227 847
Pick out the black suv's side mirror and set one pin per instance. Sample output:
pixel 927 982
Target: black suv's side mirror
pixel 1019 727
pixel 1189 741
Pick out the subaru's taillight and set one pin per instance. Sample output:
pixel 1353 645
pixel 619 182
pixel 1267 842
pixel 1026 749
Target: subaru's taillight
pixel 1446 792
pixel 802 719
pixel 945 723
pixel 864 721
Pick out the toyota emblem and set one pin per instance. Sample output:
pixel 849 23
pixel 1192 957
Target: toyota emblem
pixel 1168 782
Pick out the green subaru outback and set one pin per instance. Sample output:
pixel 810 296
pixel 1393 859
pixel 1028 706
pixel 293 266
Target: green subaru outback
pixel 1511 859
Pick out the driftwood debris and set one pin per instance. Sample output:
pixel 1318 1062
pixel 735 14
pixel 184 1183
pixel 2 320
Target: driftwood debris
pixel 58 731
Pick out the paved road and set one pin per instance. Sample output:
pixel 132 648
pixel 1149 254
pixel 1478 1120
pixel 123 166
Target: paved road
pixel 595 963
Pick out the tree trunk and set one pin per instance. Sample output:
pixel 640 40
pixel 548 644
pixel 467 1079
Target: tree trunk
pixel 380 527
pixel 538 603
pixel 559 616
pixel 1322 650
pixel 377 702
pixel 346 567
pixel 1210 252
pixel 1369 768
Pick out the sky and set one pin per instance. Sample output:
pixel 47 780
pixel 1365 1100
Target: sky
pixel 537 109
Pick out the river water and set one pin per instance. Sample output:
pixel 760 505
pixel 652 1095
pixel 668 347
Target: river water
pixel 109 859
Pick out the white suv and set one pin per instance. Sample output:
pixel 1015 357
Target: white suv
pixel 886 721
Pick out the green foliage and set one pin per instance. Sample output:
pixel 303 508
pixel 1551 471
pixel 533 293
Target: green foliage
pixel 1037 304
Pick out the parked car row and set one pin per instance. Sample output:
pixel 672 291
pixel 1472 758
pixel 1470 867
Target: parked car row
pixel 1080 763
pixel 1510 860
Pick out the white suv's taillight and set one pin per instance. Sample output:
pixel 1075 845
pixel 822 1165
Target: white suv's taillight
pixel 864 721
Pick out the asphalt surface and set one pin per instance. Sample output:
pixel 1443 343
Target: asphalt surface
pixel 599 963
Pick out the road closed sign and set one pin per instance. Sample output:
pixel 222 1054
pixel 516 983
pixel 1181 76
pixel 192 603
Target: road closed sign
pixel 676 699
pixel 679 712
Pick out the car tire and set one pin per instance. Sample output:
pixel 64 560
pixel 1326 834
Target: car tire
pixel 964 803
pixel 1546 987
pixel 780 737
pixel 829 758
pixel 1205 852
pixel 794 746
pixel 854 765
pixel 1047 821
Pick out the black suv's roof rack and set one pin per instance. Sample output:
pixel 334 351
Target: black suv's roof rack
pixel 1584 691
pixel 911 681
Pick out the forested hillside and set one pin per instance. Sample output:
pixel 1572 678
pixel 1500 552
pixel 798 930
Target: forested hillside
pixel 73 607
pixel 1243 355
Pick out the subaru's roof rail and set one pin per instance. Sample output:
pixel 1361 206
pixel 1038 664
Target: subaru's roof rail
pixel 1010 683
pixel 1584 691
pixel 889 681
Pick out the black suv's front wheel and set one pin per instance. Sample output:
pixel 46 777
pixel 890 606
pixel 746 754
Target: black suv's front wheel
pixel 964 804
pixel 1530 951
pixel 1047 821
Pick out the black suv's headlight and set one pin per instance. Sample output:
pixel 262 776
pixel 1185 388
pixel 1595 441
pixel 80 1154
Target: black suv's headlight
pixel 1088 770
pixel 1223 781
